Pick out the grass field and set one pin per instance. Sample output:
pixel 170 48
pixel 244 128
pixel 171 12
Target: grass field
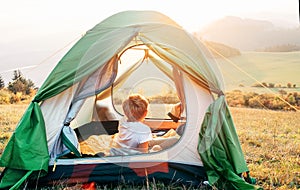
pixel 278 68
pixel 270 141
pixel 271 144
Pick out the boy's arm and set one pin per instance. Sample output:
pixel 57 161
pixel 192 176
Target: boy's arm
pixel 143 147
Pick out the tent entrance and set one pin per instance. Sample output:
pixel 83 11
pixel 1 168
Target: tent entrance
pixel 137 72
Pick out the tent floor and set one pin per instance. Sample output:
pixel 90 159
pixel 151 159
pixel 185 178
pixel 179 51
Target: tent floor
pixel 109 174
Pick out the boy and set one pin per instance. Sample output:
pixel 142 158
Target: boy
pixel 133 133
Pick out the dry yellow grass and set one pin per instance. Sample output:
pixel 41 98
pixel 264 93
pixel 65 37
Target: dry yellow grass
pixel 270 141
pixel 271 144
pixel 9 118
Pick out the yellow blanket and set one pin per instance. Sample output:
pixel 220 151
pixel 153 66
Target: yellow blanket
pixel 101 144
pixel 96 144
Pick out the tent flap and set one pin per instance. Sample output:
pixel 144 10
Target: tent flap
pixel 70 140
pixel 27 149
pixel 220 149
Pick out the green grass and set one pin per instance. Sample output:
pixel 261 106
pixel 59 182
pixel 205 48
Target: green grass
pixel 270 141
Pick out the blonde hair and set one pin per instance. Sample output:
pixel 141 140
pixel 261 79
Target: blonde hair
pixel 135 107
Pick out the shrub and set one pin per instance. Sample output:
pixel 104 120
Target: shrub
pixel 15 98
pixel 235 98
pixel 282 92
pixel 248 96
pixel 4 96
pixel 255 102
pixel 271 85
pixel 291 99
pixel 279 101
pixel 277 104
pixel 258 85
pixel 264 84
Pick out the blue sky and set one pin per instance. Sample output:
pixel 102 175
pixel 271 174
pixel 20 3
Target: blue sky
pixel 32 31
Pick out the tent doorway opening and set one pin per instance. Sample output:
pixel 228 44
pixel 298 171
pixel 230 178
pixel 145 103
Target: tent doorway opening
pixel 135 74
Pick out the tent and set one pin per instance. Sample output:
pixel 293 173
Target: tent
pixel 45 146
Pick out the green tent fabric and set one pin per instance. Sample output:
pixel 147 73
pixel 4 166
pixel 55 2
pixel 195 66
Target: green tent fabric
pixel 27 150
pixel 220 149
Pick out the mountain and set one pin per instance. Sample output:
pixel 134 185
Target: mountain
pixel 249 34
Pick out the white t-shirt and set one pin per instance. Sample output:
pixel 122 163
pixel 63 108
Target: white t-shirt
pixel 131 134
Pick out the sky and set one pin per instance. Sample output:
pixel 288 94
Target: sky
pixel 35 34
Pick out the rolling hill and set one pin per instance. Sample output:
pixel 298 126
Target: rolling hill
pixel 241 72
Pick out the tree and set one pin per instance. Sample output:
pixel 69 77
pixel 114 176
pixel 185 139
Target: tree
pixel 271 85
pixel 20 84
pixel 2 85
pixel 17 75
